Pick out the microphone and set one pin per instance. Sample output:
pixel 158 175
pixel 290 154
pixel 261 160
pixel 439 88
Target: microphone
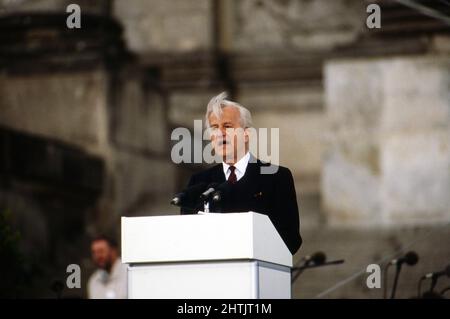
pixel 188 194
pixel 434 279
pixel 220 191
pixel 317 258
pixel 445 272
pixel 410 258
pixel 208 192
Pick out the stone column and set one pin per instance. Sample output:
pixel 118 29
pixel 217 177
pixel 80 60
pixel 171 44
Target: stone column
pixel 388 144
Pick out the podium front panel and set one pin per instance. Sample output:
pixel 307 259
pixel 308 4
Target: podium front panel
pixel 209 280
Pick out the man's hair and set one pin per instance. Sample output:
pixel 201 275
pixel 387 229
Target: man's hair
pixel 111 241
pixel 218 102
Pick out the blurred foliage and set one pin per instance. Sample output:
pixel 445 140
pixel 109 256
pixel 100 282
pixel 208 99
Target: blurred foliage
pixel 14 269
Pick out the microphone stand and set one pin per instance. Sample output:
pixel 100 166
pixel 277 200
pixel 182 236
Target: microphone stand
pixel 419 286
pixel 306 266
pixel 397 273
pixel 298 273
pixel 296 268
pixel 385 280
pixel 433 283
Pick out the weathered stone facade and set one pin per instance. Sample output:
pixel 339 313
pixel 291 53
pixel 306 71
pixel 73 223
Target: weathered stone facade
pixel 389 157
pixel 363 118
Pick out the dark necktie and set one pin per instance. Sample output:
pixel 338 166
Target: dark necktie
pixel 232 178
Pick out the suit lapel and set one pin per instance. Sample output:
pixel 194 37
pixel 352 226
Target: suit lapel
pixel 252 178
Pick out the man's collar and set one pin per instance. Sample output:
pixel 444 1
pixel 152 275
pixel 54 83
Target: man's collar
pixel 241 165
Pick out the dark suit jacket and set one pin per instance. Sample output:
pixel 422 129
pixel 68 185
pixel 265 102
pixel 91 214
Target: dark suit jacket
pixel 270 194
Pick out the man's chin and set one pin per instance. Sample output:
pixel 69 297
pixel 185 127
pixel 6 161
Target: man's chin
pixel 228 158
pixel 102 265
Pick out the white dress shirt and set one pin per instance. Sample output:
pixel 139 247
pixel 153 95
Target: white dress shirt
pixel 113 285
pixel 241 167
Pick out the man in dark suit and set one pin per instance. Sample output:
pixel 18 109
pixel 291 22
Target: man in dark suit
pixel 252 184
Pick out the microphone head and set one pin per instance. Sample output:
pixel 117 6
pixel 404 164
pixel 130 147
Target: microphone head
pixel 318 258
pixel 217 197
pixel 221 191
pixel 411 258
pixel 209 190
pixel 175 201
pixel 188 197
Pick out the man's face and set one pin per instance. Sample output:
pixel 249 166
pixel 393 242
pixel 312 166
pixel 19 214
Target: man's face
pixel 102 254
pixel 228 137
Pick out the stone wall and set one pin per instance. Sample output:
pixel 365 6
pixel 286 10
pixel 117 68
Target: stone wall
pixel 161 26
pixel 295 24
pixel 69 107
pixel 388 150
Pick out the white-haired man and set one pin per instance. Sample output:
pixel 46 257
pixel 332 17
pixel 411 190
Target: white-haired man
pixel 249 188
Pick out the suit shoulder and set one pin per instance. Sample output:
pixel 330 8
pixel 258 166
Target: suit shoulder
pixel 284 171
pixel 279 171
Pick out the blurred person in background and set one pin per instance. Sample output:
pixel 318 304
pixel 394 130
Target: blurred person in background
pixel 109 281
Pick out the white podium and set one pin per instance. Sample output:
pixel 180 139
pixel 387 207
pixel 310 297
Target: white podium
pixel 205 256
